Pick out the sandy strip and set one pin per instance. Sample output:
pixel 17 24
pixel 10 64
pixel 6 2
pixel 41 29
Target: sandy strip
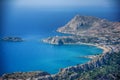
pixel 105 48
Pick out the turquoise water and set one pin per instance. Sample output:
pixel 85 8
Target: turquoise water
pixel 33 55
pixel 34 25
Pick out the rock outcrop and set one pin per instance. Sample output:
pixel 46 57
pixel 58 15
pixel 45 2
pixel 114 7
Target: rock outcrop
pixel 12 39
pixel 60 40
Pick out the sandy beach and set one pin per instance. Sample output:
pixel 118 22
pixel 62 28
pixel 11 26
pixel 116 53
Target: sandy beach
pixel 105 48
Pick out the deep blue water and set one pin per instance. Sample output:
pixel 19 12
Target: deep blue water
pixel 34 25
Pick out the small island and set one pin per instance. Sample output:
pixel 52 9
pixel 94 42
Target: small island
pixel 12 39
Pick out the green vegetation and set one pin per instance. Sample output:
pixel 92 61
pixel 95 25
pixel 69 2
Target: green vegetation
pixel 105 72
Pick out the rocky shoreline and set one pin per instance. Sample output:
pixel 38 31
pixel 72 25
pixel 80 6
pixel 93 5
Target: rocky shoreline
pixel 87 30
pixel 69 73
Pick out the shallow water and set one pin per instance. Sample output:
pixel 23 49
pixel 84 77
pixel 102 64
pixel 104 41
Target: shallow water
pixel 34 55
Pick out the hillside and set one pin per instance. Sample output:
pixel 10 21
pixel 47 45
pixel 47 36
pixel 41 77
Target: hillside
pixel 90 26
pixel 105 72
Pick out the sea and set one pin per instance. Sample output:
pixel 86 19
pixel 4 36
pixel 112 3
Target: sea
pixel 33 25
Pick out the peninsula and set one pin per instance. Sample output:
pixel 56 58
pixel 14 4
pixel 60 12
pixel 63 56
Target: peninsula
pixel 91 31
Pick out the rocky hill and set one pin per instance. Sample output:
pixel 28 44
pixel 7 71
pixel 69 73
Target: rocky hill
pixel 89 26
pixel 88 29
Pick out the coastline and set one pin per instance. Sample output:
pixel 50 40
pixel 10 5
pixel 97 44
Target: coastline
pixel 73 72
pixel 105 48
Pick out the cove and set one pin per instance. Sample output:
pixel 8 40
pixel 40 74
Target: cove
pixel 35 55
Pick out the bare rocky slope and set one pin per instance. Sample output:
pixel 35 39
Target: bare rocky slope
pixel 90 26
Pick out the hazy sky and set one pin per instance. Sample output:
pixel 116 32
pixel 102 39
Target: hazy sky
pixel 62 3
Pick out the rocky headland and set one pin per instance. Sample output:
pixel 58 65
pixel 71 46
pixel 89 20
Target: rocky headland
pixel 91 31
